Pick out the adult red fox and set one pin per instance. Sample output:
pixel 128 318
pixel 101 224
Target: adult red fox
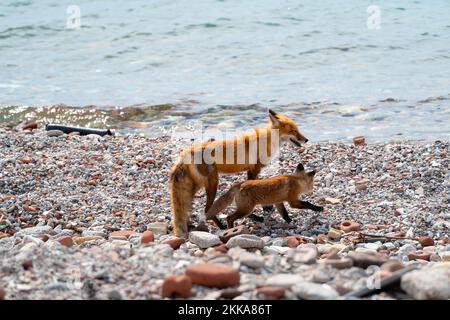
pixel 275 190
pixel 199 165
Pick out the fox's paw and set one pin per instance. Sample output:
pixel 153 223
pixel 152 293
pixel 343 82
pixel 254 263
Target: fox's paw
pixel 256 218
pixel 219 224
pixel 318 209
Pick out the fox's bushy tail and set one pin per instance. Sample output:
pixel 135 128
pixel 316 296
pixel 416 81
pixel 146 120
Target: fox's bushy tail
pixel 223 202
pixel 182 188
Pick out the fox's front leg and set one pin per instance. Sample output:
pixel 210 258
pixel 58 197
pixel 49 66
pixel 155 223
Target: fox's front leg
pixel 284 213
pixel 299 204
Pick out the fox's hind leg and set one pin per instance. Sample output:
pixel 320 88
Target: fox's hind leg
pixel 284 213
pixel 211 181
pixel 298 204
pixel 240 212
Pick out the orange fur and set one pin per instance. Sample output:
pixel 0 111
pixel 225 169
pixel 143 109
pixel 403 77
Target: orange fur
pixel 275 190
pixel 187 177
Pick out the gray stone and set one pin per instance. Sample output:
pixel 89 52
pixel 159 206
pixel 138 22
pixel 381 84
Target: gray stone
pixel 54 133
pixel 251 260
pixel 427 284
pixel 33 231
pixel 313 291
pixel 158 227
pixel 283 280
pixel 305 254
pixel 246 241
pixel 204 239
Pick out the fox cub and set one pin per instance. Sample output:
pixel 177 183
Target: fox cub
pixel 275 190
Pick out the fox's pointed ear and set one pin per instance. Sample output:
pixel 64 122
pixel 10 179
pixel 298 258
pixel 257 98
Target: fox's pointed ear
pixel 273 117
pixel 312 173
pixel 300 167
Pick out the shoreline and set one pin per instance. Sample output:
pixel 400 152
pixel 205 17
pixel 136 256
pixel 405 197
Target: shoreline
pixel 74 192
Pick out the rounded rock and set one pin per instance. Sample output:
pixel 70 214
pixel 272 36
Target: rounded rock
pixel 359 140
pixel 147 237
pixel 419 254
pixel 272 293
pixel 295 241
pixel 213 275
pixel 349 225
pixel 177 286
pixel 204 239
pixel 426 241
pixel 175 243
pixel 246 241
pixel 121 233
pixel 392 265
pixel 65 241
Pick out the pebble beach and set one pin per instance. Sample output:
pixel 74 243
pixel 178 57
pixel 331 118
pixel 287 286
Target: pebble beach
pixel 88 217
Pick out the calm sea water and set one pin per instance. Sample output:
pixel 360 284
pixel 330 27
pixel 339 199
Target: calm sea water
pixel 338 67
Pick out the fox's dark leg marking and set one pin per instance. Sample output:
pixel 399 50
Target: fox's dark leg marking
pixel 284 213
pixel 219 224
pixel 256 218
pixel 305 205
pixel 238 214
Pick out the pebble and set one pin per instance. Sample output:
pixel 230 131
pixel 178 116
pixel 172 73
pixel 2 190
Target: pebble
pixel 427 284
pixel 147 237
pixel 314 291
pixel 445 256
pixel 246 241
pixel 426 241
pixel 177 286
pixel 213 275
pixel 175 243
pixel 204 239
pixel 341 263
pixel 305 254
pixel 420 254
pixel 283 280
pixel 272 293
pixel 65 241
pixel 158 227
pixel 392 265
pixel 364 260
pixel 121 234
pixel 54 133
pixel 80 240
pixel 359 140
pixel 349 225
pixel 230 233
pixel 34 231
pixel 295 241
pixel 251 260
pixel 334 234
